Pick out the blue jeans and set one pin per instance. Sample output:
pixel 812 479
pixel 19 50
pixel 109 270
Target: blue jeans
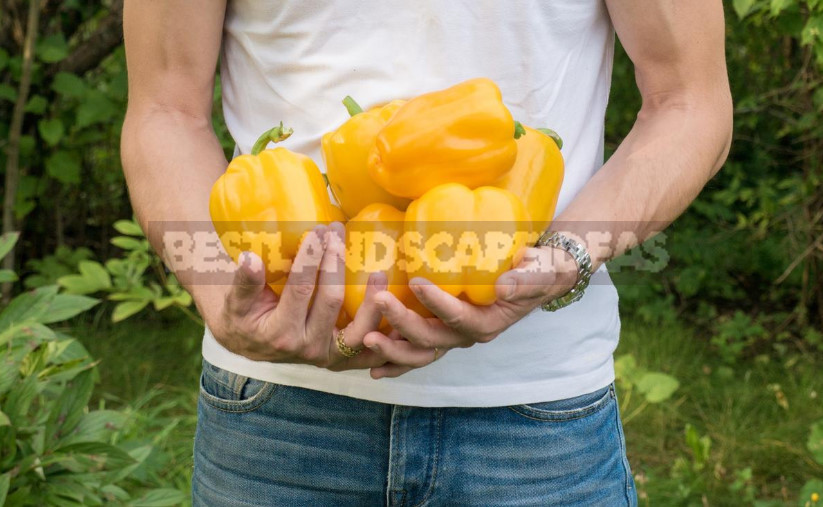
pixel 260 443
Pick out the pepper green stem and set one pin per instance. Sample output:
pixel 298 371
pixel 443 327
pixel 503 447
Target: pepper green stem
pixel 519 130
pixel 551 133
pixel 352 106
pixel 274 135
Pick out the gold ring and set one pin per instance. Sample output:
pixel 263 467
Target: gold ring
pixel 343 348
pixel 436 351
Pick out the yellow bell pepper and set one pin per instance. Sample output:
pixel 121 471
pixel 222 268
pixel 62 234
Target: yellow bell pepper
pixel 537 175
pixel 265 202
pixel 373 245
pixel 345 153
pixel 462 239
pixel 463 134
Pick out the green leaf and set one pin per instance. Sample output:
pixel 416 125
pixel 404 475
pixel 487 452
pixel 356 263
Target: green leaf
pixel 163 303
pixel 66 306
pixel 129 228
pixel 778 6
pixel 811 487
pixel 626 369
pixel 7 242
pixel 36 105
pixel 51 130
pixel 742 7
pixel 68 85
pixel 8 374
pixel 95 108
pixel 815 442
pixel 93 277
pixel 4 60
pixel 5 483
pixel 7 275
pixel 66 371
pixel 97 426
pixel 32 332
pixel 4 419
pixel 67 410
pixel 64 166
pixel 134 294
pixel 66 491
pixel 127 243
pixel 126 309
pixel 161 498
pixel 813 30
pixel 139 455
pixel 28 307
pixel 20 398
pixel 114 492
pixel 53 48
pixel 109 456
pixel 7 92
pixel 657 387
pixel 700 446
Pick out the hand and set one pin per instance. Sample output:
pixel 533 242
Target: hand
pixel 299 327
pixel 541 274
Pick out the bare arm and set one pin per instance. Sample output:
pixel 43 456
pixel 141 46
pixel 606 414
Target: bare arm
pixel 683 130
pixel 679 141
pixel 171 159
pixel 171 156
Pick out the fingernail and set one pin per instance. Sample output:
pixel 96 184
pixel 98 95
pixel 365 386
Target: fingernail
pixel 512 290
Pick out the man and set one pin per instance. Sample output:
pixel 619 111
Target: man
pixel 497 405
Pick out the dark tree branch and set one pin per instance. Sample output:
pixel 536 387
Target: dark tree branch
pixel 12 178
pixel 99 45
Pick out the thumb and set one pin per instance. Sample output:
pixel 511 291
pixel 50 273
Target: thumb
pixel 249 281
pixel 533 278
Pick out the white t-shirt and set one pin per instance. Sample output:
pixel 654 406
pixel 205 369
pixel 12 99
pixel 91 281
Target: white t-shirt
pixel 294 60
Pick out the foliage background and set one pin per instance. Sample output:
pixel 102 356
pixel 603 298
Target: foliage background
pixel 742 290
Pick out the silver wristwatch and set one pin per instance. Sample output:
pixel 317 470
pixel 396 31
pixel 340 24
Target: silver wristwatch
pixel 584 268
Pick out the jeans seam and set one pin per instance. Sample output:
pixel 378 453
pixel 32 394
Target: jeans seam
pixel 563 416
pixel 392 478
pixel 435 459
pixel 239 406
pixel 623 456
pixel 218 381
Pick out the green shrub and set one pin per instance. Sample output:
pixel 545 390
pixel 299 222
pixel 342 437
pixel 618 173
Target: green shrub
pixel 54 448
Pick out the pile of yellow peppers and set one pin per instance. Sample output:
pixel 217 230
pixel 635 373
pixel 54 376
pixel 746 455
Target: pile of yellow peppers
pixel 444 186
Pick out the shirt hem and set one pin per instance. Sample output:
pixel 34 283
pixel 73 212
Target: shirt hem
pixel 359 384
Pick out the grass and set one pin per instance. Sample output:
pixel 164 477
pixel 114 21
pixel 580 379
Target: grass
pixel 147 351
pixel 150 366
pixel 757 412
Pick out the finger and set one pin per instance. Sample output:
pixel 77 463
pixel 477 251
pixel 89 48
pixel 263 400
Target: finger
pixel 459 315
pixel 330 284
pixel 425 333
pixel 364 360
pixel 299 287
pixel 368 316
pixel 389 370
pixel 249 281
pixel 535 277
pixel 399 352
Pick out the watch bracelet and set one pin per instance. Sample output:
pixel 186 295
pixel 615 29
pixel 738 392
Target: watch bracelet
pixel 584 268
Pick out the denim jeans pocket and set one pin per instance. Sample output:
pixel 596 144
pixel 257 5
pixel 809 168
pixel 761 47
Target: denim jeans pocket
pixel 232 392
pixel 568 409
